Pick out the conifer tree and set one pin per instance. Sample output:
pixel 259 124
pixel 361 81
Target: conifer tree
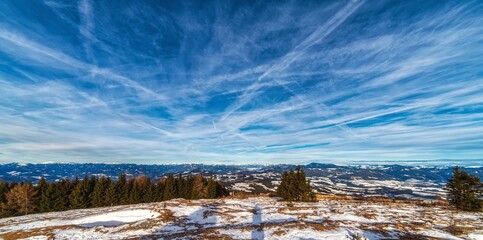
pixel 98 194
pixel 110 195
pixel 465 191
pixel 283 188
pixel 120 189
pixel 45 204
pixel 149 191
pixel 137 190
pixel 41 186
pixel 183 191
pixel 170 190
pixel 63 191
pixel 126 199
pixel 80 196
pixel 21 199
pixel 199 187
pixel 294 186
pixel 211 189
pixel 189 187
pixel 4 188
pixel 160 190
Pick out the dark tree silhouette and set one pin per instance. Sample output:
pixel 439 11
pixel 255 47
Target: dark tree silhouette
pixel 294 186
pixel 465 191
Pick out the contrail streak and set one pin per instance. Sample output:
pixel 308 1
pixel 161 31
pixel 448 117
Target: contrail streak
pixel 317 36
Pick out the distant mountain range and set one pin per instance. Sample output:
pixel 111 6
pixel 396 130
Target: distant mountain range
pixel 395 181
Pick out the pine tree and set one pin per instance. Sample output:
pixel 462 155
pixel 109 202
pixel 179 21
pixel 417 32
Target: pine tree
pixel 4 188
pixel 121 189
pixel 199 187
pixel 282 189
pixel 465 191
pixel 149 191
pixel 98 194
pixel 62 193
pixel 41 186
pixel 211 189
pixel 294 186
pixel 190 180
pixel 110 195
pixel 170 190
pixel 182 187
pixel 80 196
pixel 21 199
pixel 45 204
pixel 128 191
pixel 137 191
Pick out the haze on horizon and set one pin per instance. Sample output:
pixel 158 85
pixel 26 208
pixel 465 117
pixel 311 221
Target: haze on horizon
pixel 235 82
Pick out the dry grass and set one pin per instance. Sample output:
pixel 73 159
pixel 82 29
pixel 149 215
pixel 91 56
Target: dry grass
pixel 332 197
pixel 458 230
pixel 47 231
pixel 366 214
pixel 279 232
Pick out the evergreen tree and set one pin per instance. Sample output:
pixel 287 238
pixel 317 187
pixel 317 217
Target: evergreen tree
pixel 183 191
pixel 41 186
pixel 294 186
pixel 465 191
pixel 127 199
pixel 170 190
pixel 211 189
pixel 149 191
pixel 63 191
pixel 46 198
pixel 121 189
pixel 283 188
pixel 189 187
pixel 199 187
pixel 4 188
pixel 160 190
pixel 110 195
pixel 135 196
pixel 98 194
pixel 80 196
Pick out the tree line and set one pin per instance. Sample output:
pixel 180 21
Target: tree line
pixel 65 194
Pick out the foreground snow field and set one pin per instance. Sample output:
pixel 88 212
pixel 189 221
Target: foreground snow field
pixel 252 218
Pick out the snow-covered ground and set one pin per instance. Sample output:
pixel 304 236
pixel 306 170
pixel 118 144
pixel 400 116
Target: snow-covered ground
pixel 252 218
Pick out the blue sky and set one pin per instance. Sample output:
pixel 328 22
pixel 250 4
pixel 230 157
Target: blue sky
pixel 232 82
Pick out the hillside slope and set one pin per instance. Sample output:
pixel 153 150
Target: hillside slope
pixel 252 218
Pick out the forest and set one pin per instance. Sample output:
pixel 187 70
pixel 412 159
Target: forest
pixel 90 192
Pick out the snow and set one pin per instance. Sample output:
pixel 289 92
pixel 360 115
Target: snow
pixel 14 173
pixel 241 186
pixel 42 237
pixel 252 218
pixel 115 218
pixel 348 217
pixel 475 236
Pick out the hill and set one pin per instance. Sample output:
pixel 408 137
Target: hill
pixel 394 181
pixel 251 218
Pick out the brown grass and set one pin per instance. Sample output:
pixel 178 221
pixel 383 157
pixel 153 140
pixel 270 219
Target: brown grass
pixel 279 232
pixel 46 231
pixel 332 197
pixel 365 214
pixel 458 230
